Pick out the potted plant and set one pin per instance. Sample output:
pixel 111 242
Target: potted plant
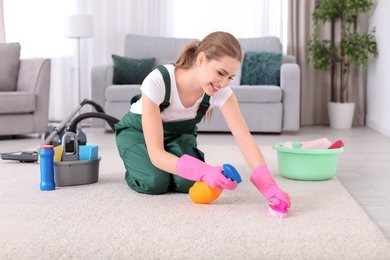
pixel 346 48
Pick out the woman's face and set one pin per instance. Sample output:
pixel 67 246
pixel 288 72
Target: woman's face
pixel 216 74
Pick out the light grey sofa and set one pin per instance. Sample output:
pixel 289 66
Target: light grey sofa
pixel 271 109
pixel 24 92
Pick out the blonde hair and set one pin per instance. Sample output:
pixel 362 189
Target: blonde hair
pixel 216 45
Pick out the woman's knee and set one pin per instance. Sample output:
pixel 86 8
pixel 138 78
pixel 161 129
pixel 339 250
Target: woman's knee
pixel 180 184
pixel 154 184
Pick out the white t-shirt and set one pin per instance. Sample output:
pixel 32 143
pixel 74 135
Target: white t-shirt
pixel 154 88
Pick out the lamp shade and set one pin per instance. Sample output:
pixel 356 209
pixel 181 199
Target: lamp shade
pixel 78 26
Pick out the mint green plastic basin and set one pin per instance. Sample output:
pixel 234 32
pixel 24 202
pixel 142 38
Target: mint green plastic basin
pixel 307 165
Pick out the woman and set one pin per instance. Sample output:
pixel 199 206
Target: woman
pixel 157 138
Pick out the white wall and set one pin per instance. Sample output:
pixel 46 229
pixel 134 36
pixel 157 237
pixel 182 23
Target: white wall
pixel 378 77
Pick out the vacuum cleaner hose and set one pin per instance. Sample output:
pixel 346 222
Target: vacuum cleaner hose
pixel 112 121
pixel 97 107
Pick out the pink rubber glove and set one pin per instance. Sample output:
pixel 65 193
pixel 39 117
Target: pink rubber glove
pixel 262 179
pixel 194 169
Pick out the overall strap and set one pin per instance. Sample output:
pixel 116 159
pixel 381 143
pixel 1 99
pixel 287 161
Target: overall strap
pixel 203 106
pixel 167 82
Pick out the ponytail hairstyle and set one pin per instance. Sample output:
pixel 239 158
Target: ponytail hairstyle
pixel 216 45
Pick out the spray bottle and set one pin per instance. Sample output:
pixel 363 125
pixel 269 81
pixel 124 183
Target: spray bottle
pixel 201 193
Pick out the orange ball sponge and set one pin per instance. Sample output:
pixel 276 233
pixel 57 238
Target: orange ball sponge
pixel 201 193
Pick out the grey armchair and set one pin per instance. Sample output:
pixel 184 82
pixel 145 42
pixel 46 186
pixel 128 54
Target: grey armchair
pixel 24 92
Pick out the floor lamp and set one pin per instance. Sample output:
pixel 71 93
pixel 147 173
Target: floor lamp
pixel 77 27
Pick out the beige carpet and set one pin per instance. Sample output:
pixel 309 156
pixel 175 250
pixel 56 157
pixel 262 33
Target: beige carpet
pixel 107 220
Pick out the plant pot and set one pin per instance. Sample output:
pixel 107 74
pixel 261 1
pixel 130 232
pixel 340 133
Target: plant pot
pixel 341 115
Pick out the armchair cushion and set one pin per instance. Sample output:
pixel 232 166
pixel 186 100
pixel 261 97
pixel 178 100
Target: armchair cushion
pixel 261 68
pixel 131 71
pixel 9 66
pixel 17 102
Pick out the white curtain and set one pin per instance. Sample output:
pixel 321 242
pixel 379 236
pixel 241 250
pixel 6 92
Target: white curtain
pixel 39 26
pixel 244 18
pixel 41 34
pixel 2 30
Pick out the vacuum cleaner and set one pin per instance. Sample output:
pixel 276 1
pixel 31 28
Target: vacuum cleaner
pixel 54 133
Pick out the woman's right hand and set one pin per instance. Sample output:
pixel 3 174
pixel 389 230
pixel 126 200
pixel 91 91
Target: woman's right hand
pixel 191 168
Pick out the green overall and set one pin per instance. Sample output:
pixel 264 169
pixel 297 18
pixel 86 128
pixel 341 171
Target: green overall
pixel 179 138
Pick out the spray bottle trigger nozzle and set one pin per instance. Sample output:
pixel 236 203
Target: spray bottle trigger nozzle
pixel 231 173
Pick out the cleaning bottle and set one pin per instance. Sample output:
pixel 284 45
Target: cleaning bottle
pixel 46 162
pixel 201 193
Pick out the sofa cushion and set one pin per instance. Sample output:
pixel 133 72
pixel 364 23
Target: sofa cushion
pixel 122 93
pixel 17 102
pixel 269 43
pixel 257 94
pixel 131 71
pixel 261 68
pixel 9 66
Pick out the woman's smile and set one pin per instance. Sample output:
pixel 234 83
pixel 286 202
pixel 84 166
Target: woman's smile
pixel 214 87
